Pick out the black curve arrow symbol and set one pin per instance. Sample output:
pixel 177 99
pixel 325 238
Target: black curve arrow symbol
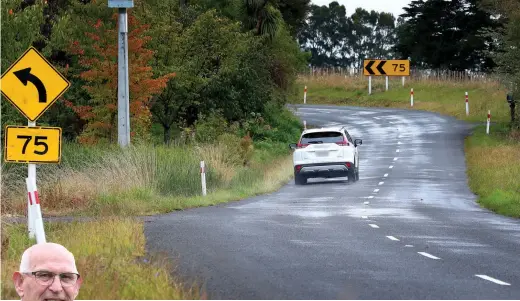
pixel 380 67
pixel 25 75
pixel 369 67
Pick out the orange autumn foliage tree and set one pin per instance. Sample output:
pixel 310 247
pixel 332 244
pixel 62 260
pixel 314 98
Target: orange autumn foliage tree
pixel 97 55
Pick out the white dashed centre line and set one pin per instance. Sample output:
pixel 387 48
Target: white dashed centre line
pixel 381 183
pixel 409 246
pixel 399 142
pixel 373 226
pixel 391 166
pixel 371 197
pixel 366 203
pixel 493 280
pixel 386 175
pixel 376 190
pixel 395 159
pixel 364 216
pixel 428 255
pixel 392 238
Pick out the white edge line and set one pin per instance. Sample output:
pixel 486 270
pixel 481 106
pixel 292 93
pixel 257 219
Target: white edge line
pixel 373 225
pixel 428 255
pixel 493 279
pixel 392 238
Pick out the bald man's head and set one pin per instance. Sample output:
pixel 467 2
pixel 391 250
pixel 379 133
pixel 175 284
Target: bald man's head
pixel 47 272
pixel 45 251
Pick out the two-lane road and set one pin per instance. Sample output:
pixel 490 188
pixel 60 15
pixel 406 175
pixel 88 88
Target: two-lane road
pixel 408 229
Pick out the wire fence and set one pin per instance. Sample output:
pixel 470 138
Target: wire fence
pixel 415 74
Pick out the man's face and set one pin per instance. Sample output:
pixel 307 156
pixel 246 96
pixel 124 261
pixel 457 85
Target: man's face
pixel 54 261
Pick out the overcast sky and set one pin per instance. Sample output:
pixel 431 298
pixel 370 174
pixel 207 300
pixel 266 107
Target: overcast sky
pixel 389 6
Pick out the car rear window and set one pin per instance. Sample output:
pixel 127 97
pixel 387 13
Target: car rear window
pixel 322 137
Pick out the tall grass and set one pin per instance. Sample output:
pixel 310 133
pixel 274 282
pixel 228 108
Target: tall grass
pixel 113 264
pixel 142 179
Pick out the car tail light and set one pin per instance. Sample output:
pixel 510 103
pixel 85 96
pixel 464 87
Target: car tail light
pixel 344 142
pixel 298 167
pixel 300 145
pixel 348 164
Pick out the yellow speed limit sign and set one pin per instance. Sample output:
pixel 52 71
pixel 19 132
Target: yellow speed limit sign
pixel 24 144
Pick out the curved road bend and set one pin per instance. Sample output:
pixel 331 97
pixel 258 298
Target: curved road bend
pixel 408 229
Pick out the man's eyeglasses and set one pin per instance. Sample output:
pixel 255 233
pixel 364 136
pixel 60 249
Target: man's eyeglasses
pixel 47 278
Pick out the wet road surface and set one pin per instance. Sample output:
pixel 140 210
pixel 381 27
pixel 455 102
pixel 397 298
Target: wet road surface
pixel 408 229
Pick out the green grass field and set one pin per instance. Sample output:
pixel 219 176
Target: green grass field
pixel 493 160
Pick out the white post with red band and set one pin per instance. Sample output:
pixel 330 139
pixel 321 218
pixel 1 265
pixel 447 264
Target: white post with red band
pixel 34 208
pixel 203 177
pixel 411 97
pixel 31 214
pixel 305 95
pixel 467 104
pixel 488 121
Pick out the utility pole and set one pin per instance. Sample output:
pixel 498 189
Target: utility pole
pixel 123 91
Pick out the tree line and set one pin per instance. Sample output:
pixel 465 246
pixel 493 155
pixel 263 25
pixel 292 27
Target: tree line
pixel 189 61
pixel 235 60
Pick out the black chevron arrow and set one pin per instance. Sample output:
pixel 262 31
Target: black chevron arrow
pixel 25 75
pixel 368 68
pixel 380 67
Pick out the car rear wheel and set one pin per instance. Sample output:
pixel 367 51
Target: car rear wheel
pixel 353 175
pixel 299 179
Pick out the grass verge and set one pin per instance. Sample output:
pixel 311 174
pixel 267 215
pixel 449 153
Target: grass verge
pixel 147 180
pixel 494 169
pixel 492 160
pixel 112 263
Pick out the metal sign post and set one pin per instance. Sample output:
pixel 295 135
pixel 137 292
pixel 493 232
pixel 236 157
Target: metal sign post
pixel 123 90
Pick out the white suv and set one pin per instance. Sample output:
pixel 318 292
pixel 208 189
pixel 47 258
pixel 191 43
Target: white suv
pixel 325 153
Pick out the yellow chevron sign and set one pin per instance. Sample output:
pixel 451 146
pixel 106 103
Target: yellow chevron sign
pixel 386 67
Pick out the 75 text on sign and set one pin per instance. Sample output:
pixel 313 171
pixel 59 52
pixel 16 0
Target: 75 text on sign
pixel 25 144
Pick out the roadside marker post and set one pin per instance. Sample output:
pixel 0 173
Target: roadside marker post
pixel 31 84
pixel 203 177
pixel 305 95
pixel 488 121
pixel 411 97
pixel 304 124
